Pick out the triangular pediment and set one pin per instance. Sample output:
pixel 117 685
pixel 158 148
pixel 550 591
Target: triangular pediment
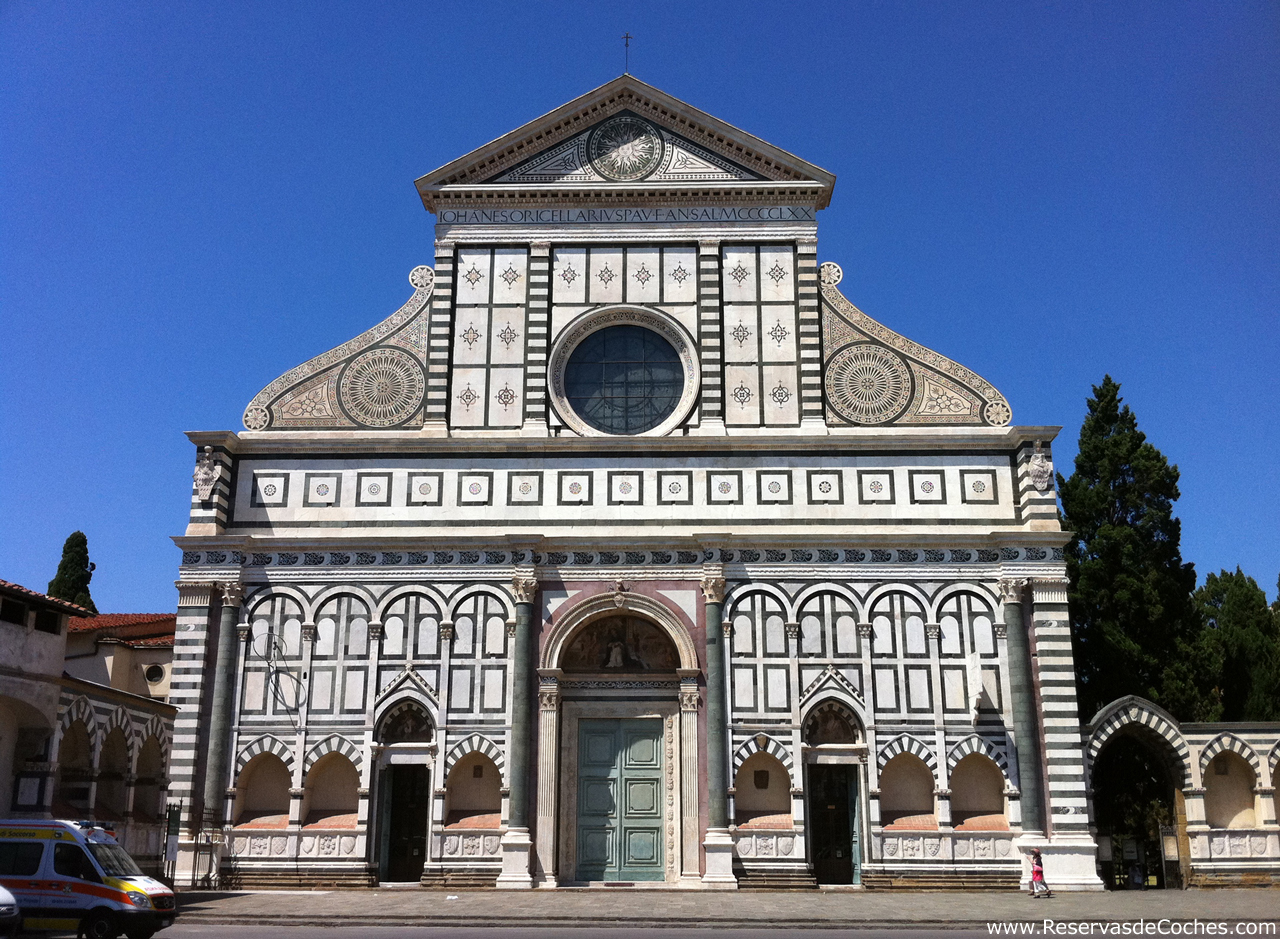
pixel 407 680
pixel 626 145
pixel 627 135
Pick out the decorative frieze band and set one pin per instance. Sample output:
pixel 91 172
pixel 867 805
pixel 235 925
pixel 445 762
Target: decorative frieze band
pixel 190 593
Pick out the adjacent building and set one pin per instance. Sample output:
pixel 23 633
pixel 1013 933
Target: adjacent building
pixel 78 747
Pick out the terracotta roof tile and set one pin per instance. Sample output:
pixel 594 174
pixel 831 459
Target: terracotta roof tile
pixel 137 630
pixel 63 605
pixel 86 624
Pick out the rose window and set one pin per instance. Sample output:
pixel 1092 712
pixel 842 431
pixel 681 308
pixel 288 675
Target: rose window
pixel 624 380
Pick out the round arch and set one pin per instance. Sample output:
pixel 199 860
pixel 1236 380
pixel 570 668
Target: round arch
pixel 475 743
pixel 267 594
pixel 611 604
pixel 838 590
pixel 842 700
pixel 771 746
pixel 980 591
pixel 905 743
pixel 334 743
pixel 1132 714
pixel 265 744
pixel 316 604
pixel 742 592
pixel 79 710
pixel 976 744
pixel 389 599
pixel 405 698
pixel 474 590
pixel 1229 742
pixel 884 590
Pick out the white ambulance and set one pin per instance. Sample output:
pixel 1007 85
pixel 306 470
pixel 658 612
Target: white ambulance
pixel 74 876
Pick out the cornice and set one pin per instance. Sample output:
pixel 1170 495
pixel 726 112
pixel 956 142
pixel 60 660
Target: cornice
pixel 295 444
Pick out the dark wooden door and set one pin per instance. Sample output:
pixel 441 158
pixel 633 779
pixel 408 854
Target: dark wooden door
pixel 406 818
pixel 832 818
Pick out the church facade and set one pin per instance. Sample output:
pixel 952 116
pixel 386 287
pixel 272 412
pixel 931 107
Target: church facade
pixel 628 550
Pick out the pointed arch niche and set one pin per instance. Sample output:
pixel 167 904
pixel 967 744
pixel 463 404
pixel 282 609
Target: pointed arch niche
pixel 618 656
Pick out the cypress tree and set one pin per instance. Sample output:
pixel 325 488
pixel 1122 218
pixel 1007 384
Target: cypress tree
pixel 1134 625
pixel 1245 634
pixel 75 570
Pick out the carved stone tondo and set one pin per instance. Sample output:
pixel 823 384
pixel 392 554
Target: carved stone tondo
pixel 256 417
pixel 206 475
pixel 382 387
pixel 422 277
pixel 868 384
pixel 625 148
pixel 830 274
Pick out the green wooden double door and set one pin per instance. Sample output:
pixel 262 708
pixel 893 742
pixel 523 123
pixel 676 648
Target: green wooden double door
pixel 620 800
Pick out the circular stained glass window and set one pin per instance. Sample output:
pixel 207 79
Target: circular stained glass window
pixel 624 380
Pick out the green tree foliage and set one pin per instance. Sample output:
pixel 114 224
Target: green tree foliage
pixel 1134 626
pixel 1243 634
pixel 75 570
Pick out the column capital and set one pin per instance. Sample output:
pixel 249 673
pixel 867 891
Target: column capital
pixel 865 630
pixel 793 630
pixel 232 593
pixel 244 629
pixel 709 246
pixel 713 589
pixel 1001 630
pixel 308 632
pixel 539 248
pixel 375 630
pixel 1011 589
pixel 524 588
pixel 548 692
pixel 446 629
pixel 933 630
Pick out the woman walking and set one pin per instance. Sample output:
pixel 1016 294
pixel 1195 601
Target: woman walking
pixel 1038 887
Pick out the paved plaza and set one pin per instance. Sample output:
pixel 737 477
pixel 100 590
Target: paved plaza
pixel 602 907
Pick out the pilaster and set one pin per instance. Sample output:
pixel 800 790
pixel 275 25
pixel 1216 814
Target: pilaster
pixel 537 342
pixel 710 339
pixel 439 336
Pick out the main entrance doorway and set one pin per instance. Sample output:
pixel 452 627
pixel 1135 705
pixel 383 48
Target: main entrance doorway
pixel 406 807
pixel 833 821
pixel 620 800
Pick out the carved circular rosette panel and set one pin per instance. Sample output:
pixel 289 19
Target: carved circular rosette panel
pixel 830 274
pixel 382 387
pixel 256 417
pixel 422 277
pixel 868 384
pixel 997 413
pixel 625 149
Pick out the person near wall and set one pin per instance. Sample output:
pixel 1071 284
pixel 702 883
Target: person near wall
pixel 1038 887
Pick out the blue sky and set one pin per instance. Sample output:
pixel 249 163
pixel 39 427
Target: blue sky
pixel 196 197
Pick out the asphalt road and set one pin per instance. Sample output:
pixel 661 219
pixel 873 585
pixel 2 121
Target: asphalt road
pixel 520 932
